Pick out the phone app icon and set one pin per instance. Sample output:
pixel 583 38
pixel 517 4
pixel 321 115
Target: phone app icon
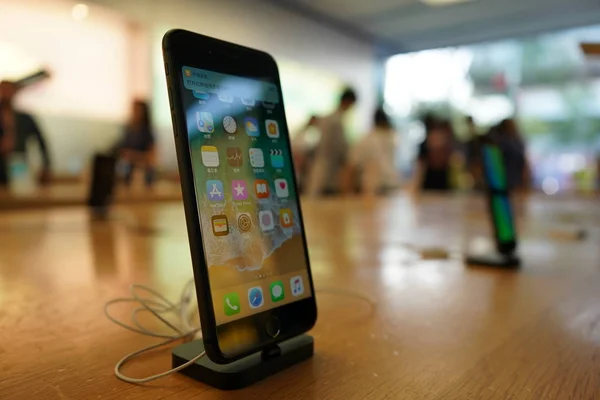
pixel 244 222
pixel 272 128
pixel 276 158
pixel 231 304
pixel 261 188
pixel 265 220
pixel 286 218
pixel 297 286
pixel 281 188
pixel 229 124
pixel 210 156
pixel 255 297
pixel 204 121
pixel 276 289
pixel 234 157
pixel 239 189
pixel 187 72
pixel 214 190
pixel 220 226
pixel 257 159
pixel 251 125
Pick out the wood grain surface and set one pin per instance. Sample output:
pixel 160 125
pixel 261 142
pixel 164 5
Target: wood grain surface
pixel 439 330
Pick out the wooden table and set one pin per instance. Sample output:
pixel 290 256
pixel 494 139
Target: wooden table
pixel 76 194
pixel 439 330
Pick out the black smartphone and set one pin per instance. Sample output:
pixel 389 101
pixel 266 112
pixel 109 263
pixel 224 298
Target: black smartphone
pixel 249 252
pixel 494 173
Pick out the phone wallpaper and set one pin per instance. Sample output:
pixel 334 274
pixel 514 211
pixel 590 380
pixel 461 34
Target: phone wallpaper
pixel 246 198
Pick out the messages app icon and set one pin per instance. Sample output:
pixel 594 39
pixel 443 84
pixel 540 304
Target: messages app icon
pixel 276 290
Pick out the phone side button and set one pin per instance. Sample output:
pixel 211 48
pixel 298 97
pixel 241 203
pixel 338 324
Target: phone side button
pixel 273 327
pixel 166 68
pixel 170 96
pixel 174 124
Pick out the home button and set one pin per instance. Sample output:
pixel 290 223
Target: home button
pixel 273 326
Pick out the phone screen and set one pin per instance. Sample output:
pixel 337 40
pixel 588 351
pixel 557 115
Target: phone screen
pixel 245 191
pixel 493 165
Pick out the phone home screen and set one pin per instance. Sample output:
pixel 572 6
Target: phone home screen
pixel 246 198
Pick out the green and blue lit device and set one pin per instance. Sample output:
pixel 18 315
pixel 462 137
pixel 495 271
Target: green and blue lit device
pixel 499 200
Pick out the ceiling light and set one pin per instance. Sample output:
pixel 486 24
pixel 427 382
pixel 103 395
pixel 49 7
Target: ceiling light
pixel 435 3
pixel 79 12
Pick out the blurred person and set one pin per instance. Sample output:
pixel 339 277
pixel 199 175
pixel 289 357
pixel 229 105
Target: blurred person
pixel 304 145
pixel 507 136
pixel 16 128
pixel 473 153
pixel 137 148
pixel 331 153
pixel 433 170
pixel 372 163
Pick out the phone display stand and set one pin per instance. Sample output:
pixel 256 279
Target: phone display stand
pixel 248 370
pixel 494 260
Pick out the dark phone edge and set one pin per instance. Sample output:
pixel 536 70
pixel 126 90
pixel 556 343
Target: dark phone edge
pixel 201 278
pixel 184 163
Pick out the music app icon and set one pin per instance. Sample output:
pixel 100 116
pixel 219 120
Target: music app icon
pixel 297 286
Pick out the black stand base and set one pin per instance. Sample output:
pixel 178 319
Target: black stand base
pixel 246 371
pixel 494 260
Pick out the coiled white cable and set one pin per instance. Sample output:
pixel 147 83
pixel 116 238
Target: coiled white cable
pixel 185 330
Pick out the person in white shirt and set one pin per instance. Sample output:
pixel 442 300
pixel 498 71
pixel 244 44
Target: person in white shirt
pixel 372 163
pixel 304 144
pixel 331 153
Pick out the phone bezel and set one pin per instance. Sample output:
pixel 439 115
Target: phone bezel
pixel 186 48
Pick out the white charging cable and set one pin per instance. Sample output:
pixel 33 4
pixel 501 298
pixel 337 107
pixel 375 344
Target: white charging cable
pixel 183 329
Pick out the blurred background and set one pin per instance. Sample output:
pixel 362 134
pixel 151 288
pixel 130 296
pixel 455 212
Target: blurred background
pixel 83 76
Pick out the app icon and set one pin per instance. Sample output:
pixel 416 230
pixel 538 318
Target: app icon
pixel 261 188
pixel 200 95
pixel 229 124
pixel 226 97
pixel 268 104
pixel 234 156
pixel 231 304
pixel 257 159
pixel 276 158
pixel 214 189
pixel 239 189
pixel 276 289
pixel 272 128
pixel 248 101
pixel 251 126
pixel 220 226
pixel 210 156
pixel 265 220
pixel 255 297
pixel 297 286
pixel 281 188
pixel 286 218
pixel 244 222
pixel 187 72
pixel 205 122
